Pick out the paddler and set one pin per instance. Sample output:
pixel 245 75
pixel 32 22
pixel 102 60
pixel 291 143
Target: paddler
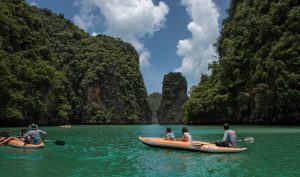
pixel 169 135
pixel 230 138
pixel 186 137
pixel 36 136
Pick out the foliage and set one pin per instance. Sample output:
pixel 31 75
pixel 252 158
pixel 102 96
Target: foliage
pixel 154 101
pixel 49 70
pixel 257 75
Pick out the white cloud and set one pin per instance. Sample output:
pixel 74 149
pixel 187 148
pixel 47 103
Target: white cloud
pixel 130 20
pixel 94 34
pixel 198 51
pixel 86 18
pixel 33 3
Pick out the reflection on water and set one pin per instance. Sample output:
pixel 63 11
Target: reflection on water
pixel 116 151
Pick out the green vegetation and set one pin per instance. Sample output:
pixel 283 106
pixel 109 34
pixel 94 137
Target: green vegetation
pixel 53 72
pixel 257 76
pixel 174 95
pixel 154 101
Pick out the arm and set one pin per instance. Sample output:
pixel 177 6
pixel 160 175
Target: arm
pixel 166 137
pixel 225 136
pixel 27 135
pixel 179 139
pixel 43 134
pixel 182 138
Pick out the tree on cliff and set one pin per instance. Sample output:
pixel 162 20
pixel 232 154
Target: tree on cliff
pixel 257 76
pixel 51 72
pixel 154 101
pixel 174 95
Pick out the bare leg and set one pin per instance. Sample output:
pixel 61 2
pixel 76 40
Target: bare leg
pixel 8 140
pixel 2 139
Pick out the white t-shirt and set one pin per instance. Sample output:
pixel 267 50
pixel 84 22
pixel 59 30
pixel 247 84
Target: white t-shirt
pixel 170 136
pixel 186 137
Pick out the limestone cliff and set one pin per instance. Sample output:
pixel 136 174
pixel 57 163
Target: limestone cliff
pixel 174 95
pixel 154 102
pixel 52 72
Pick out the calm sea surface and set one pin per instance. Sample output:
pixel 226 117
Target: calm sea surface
pixel 117 151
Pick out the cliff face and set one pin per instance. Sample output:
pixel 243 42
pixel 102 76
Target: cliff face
pixel 256 79
pixel 154 100
pixel 174 95
pixel 52 72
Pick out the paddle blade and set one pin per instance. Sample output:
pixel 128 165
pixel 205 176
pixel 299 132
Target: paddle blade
pixel 197 144
pixel 248 140
pixel 59 142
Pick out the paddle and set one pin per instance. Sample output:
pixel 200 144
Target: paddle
pixel 57 142
pixel 246 140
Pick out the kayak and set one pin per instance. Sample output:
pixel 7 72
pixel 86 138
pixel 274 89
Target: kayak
pixel 65 126
pixel 21 144
pixel 194 146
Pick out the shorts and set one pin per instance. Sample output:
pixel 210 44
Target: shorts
pixel 36 141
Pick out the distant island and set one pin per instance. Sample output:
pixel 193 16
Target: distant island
pixel 52 72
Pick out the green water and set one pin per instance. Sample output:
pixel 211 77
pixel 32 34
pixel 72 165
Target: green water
pixel 116 151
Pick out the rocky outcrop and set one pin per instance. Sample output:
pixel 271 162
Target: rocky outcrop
pixel 256 79
pixel 154 102
pixel 174 95
pixel 52 72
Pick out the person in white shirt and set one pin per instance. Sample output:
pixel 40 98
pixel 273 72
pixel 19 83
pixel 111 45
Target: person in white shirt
pixel 170 135
pixel 186 137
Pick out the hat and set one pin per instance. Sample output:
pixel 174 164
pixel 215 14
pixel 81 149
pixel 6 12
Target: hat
pixel 33 126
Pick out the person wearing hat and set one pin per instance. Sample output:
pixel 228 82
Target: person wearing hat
pixel 36 136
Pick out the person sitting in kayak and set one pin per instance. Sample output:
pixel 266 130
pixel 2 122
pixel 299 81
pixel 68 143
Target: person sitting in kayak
pixel 186 137
pixel 36 136
pixel 22 133
pixel 230 138
pixel 22 136
pixel 169 135
pixel 7 138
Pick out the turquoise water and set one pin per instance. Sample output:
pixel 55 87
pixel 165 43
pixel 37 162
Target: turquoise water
pixel 116 151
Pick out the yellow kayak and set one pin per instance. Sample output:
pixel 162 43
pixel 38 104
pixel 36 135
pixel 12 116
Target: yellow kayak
pixel 21 144
pixel 65 126
pixel 194 146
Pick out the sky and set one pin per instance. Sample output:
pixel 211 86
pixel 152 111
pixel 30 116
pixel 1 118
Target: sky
pixel 169 35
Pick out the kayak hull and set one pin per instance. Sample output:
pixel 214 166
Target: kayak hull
pixel 194 146
pixel 21 144
pixel 66 126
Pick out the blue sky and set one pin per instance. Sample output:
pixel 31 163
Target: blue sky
pixel 170 35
